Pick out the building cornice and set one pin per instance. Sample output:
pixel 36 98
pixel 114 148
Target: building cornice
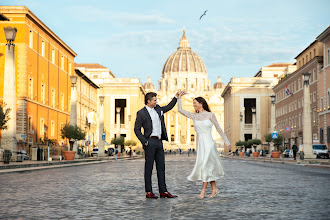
pixel 325 34
pixel 84 77
pixel 37 21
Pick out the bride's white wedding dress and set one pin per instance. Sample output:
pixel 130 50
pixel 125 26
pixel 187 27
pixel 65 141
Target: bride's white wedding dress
pixel 208 164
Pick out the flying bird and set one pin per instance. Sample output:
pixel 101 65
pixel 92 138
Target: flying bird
pixel 203 14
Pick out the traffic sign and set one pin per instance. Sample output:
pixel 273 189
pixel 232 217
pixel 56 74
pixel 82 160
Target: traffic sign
pixel 288 128
pixel 103 136
pixel 275 135
pixel 24 136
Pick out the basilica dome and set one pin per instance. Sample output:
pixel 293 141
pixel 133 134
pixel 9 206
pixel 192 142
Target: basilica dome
pixel 184 60
pixel 148 86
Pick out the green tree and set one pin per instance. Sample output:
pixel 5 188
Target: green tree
pixel 73 133
pixel 130 143
pixel 118 141
pixel 4 116
pixel 277 141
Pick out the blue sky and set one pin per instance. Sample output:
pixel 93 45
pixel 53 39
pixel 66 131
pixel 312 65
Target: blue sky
pixel 134 38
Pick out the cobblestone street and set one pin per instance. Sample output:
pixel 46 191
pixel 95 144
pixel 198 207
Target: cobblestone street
pixel 115 190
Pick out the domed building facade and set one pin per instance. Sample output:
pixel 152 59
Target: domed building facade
pixel 185 70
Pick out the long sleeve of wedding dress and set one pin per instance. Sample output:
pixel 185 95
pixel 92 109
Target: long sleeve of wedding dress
pixel 184 112
pixel 220 131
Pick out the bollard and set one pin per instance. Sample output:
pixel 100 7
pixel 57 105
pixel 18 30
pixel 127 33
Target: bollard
pixel 7 155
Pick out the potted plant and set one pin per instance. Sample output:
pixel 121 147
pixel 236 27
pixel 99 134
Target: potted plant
pixel 130 144
pixel 277 141
pixel 73 133
pixel 240 145
pixel 255 142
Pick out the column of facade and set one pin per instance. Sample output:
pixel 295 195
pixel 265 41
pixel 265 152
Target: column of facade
pixel 188 131
pixel 176 128
pixel 168 118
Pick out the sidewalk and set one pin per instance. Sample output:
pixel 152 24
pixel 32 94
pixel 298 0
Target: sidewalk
pixel 29 165
pixel 319 163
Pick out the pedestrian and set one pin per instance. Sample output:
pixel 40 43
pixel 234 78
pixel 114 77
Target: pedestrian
pixel 134 153
pixel 116 152
pixel 294 150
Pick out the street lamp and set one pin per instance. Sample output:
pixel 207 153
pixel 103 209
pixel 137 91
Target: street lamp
pixel 307 128
pixel 73 112
pixel 273 97
pixel 8 140
pixel 101 127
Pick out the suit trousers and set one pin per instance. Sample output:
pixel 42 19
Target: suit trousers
pixel 154 152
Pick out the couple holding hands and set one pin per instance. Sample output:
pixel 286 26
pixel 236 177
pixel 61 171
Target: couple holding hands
pixel 207 167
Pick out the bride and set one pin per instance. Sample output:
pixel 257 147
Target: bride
pixel 208 165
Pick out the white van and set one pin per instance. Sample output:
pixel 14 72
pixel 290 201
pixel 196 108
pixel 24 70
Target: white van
pixel 320 150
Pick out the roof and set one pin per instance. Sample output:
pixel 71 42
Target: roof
pixel 83 76
pixel 280 65
pixel 90 65
pixel 306 49
pixel 24 10
pixel 324 34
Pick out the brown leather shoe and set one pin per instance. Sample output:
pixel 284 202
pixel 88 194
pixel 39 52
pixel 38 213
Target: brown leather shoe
pixel 151 195
pixel 167 195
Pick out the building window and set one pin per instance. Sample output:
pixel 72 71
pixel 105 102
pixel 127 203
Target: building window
pixel 70 68
pixel 328 99
pixel 53 98
pixel 30 126
pixel 43 93
pixel 95 76
pixel 303 61
pixel 314 96
pixel 62 62
pixel 321 104
pixel 192 138
pixel 62 101
pixel 53 55
pixel 42 126
pixel 43 48
pixel 172 137
pixel 299 83
pixel 30 88
pixel 328 55
pixel 52 130
pixel 321 136
pixel 31 39
pixel 314 52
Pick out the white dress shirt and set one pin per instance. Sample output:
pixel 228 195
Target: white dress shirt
pixel 156 124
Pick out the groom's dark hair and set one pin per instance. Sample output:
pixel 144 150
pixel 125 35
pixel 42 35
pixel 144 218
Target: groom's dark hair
pixel 149 96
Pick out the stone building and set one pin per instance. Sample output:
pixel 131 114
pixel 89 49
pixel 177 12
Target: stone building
pixel 123 98
pixel 290 97
pixel 87 109
pixel 43 64
pixel 324 90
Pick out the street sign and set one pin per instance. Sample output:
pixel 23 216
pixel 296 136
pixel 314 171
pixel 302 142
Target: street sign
pixel 288 128
pixel 103 136
pixel 24 136
pixel 275 135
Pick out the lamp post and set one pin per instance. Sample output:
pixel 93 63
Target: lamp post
pixel 101 128
pixel 307 128
pixel 73 112
pixel 254 129
pixel 272 117
pixel 8 140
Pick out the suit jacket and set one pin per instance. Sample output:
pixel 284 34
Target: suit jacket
pixel 143 120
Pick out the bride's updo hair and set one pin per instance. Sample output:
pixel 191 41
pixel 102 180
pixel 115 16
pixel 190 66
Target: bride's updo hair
pixel 204 103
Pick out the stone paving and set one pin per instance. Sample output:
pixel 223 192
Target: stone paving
pixel 115 190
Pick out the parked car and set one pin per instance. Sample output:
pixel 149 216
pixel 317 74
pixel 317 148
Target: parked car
pixel 320 150
pixel 95 151
pixel 24 154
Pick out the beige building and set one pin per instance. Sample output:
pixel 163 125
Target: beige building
pixel 185 70
pixel 241 95
pixel 290 97
pixel 123 98
pixel 86 109
pixel 324 90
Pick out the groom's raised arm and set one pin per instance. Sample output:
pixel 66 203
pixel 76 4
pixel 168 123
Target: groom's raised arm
pixel 137 128
pixel 170 105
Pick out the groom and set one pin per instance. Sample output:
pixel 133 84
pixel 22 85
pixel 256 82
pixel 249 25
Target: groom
pixel 151 119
